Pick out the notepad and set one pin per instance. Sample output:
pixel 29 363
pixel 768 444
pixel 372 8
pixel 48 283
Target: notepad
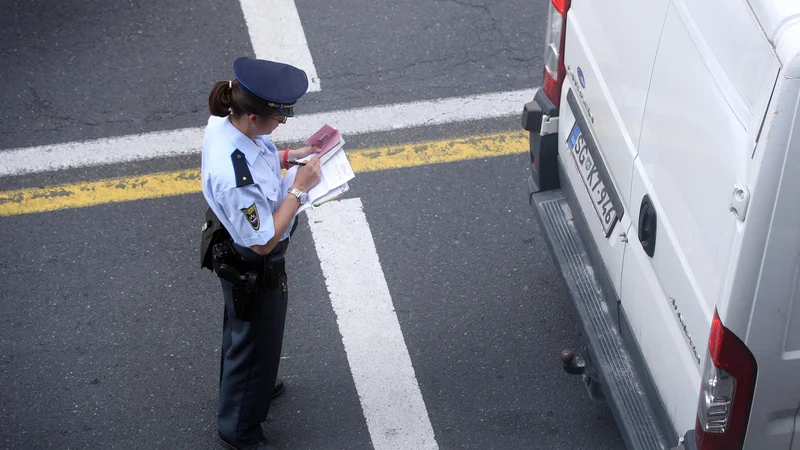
pixel 335 169
pixel 335 172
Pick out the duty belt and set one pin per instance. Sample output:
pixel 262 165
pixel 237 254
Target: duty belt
pixel 243 268
pixel 249 273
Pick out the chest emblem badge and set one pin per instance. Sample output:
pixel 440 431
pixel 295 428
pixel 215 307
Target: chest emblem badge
pixel 251 214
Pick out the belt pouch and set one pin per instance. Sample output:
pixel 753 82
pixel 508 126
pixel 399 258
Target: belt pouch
pixel 274 269
pixel 244 301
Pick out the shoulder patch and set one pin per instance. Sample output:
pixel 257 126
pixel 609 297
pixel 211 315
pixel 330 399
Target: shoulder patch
pixel 251 214
pixel 240 169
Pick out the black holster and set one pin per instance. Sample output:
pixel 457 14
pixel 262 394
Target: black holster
pixel 248 277
pixel 213 233
pixel 244 278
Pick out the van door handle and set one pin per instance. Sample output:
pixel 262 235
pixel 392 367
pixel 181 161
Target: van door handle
pixel 647 226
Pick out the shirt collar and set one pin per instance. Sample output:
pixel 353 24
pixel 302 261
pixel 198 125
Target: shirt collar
pixel 242 142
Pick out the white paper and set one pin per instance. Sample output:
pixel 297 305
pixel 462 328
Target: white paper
pixel 324 158
pixel 335 172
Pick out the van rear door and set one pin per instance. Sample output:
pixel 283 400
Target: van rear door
pixel 610 49
pixel 712 80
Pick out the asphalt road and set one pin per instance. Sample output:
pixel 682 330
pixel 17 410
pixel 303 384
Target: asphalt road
pixel 85 69
pixel 110 332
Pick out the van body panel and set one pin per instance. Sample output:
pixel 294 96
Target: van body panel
pixel 791 346
pixel 660 338
pixel 689 173
pixel 686 101
pixel 689 162
pixel 774 16
pixel 604 123
pixel 771 333
pixel 610 72
pixel 738 44
pixel 739 293
pixel 611 249
pixel 788 48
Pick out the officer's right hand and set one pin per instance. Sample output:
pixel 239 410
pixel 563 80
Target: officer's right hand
pixel 308 175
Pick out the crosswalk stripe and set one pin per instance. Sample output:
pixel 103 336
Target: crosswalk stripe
pixel 393 406
pixel 188 141
pixel 165 184
pixel 276 33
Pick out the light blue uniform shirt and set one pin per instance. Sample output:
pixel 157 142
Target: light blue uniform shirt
pixel 246 212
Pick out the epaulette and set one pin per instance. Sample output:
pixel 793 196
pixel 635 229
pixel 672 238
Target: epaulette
pixel 240 169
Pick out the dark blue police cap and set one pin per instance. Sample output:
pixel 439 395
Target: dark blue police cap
pixel 281 85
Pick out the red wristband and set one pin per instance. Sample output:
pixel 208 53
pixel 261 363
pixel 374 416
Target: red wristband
pixel 286 159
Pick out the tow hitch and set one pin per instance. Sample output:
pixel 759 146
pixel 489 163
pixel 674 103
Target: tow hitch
pixel 574 364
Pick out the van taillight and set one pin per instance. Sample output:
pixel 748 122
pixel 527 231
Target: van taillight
pixel 554 70
pixel 726 390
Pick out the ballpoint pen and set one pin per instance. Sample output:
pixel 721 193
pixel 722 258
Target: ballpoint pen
pixel 294 162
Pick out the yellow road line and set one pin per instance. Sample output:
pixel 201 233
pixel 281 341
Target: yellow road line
pixel 165 184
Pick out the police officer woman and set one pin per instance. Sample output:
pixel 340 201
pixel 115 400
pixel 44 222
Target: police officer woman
pixel 243 187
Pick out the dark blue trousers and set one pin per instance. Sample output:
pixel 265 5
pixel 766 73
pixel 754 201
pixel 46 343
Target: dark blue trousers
pixel 249 362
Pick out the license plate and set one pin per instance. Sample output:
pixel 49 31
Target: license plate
pixel 588 170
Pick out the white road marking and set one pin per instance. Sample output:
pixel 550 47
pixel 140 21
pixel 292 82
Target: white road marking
pixel 277 34
pixel 379 361
pixel 188 141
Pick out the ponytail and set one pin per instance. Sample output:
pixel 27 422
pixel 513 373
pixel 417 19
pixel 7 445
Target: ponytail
pixel 220 99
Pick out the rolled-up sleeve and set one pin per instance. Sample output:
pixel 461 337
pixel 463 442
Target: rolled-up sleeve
pixel 249 214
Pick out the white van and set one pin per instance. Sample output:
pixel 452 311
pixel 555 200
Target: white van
pixel 665 150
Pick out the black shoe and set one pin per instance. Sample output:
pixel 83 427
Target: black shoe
pixel 263 445
pixel 278 389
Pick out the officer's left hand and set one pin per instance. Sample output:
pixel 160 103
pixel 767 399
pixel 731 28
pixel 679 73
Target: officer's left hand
pixel 305 151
